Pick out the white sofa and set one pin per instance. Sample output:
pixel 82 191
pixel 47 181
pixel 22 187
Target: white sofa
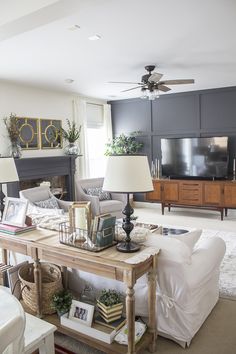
pixel 188 284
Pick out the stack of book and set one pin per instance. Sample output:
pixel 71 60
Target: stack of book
pixel 15 230
pixel 103 230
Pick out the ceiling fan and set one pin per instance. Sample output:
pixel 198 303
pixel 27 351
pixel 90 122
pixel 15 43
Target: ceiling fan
pixel 151 83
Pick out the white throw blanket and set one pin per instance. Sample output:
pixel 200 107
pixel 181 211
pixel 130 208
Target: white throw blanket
pixel 49 221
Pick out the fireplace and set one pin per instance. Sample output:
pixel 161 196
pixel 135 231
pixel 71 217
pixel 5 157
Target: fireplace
pixel 58 170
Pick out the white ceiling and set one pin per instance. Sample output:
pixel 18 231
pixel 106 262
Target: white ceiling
pixel 186 39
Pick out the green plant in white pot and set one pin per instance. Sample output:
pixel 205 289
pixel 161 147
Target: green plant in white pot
pixel 71 135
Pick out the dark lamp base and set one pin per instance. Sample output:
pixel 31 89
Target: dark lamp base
pixel 127 247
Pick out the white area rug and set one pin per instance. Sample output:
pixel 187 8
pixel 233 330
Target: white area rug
pixel 228 265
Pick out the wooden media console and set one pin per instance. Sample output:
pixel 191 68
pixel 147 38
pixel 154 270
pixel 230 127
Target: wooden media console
pixel 212 195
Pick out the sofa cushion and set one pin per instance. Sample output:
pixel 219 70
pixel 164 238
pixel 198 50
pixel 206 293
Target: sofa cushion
pixel 189 238
pixel 171 248
pixel 97 191
pixel 50 203
pixel 109 206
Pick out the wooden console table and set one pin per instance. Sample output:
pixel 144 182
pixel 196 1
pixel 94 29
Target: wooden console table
pixel 110 263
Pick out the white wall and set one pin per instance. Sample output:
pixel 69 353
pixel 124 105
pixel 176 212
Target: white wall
pixel 32 102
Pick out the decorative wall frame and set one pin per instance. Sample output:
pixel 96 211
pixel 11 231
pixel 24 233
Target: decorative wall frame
pixel 50 134
pixel 28 132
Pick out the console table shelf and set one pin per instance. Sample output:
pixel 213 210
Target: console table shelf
pixel 44 244
pixel 211 195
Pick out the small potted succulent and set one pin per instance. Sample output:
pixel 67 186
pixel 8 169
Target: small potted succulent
pixel 71 134
pixel 110 305
pixel 61 301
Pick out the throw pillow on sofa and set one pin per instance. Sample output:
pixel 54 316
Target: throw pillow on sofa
pixel 98 192
pixel 175 248
pixel 50 203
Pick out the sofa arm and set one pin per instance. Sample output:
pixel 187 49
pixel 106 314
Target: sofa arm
pixel 206 259
pixel 63 204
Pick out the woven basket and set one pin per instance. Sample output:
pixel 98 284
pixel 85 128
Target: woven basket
pixel 51 283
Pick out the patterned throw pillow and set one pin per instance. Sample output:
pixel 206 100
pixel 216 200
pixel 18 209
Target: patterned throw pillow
pixel 50 203
pixel 97 191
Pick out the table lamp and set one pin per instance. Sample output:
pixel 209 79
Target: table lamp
pixel 8 173
pixel 127 174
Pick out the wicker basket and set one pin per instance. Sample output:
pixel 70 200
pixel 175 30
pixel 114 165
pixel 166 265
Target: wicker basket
pixel 51 283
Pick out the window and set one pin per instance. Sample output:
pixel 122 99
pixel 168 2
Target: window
pixel 96 140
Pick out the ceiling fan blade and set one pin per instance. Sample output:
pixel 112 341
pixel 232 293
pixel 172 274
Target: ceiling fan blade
pixel 155 77
pixel 133 88
pixel 125 82
pixel 163 88
pixel 177 82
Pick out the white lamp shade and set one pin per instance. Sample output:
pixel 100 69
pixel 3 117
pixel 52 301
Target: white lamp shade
pixel 127 174
pixel 8 171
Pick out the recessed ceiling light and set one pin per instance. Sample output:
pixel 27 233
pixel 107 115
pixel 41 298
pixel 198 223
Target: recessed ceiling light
pixel 95 37
pixel 73 28
pixel 69 81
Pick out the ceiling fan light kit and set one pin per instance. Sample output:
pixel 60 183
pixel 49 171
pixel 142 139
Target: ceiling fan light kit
pixel 151 85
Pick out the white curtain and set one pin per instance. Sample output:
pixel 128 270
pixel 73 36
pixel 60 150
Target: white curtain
pixel 79 116
pixel 107 121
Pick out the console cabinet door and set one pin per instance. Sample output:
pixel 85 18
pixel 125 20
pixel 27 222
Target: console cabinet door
pixel 230 195
pixel 156 194
pixel 190 193
pixel 212 193
pixel 170 191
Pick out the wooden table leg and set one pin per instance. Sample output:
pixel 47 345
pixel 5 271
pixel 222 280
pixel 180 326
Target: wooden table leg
pixel 130 313
pixel 5 259
pixel 65 277
pixel 38 284
pixel 152 325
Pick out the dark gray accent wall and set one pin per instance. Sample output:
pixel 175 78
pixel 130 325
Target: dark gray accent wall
pixel 188 114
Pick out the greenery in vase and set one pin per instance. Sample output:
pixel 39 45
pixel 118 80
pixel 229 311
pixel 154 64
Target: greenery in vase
pixel 110 297
pixel 124 144
pixel 61 301
pixel 11 124
pixel 72 133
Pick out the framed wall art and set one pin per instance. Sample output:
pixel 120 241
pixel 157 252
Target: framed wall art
pixel 50 134
pixel 28 132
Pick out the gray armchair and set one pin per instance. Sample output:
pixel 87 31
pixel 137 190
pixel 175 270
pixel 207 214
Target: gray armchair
pixel 43 194
pixel 114 206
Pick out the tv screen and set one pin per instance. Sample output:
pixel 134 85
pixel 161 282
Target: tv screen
pixel 195 157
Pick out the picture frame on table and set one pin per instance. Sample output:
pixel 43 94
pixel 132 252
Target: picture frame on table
pixel 15 212
pixel 81 312
pixel 80 215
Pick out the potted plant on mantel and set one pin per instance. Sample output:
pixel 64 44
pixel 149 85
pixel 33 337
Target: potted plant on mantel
pixel 71 135
pixel 11 124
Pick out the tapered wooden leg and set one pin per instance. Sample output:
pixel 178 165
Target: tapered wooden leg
pixel 162 208
pixel 65 277
pixel 130 313
pixel 5 259
pixel 152 325
pixel 38 284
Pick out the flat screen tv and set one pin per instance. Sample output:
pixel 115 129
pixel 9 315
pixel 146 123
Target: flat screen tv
pixel 195 157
